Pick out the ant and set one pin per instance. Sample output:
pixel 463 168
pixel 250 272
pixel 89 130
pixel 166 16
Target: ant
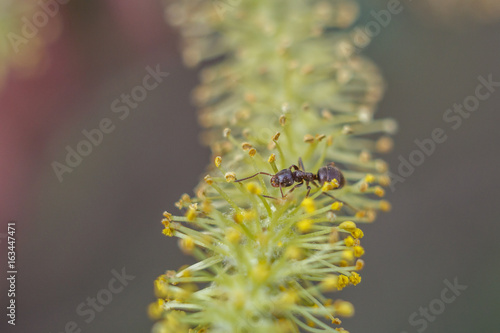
pixel 287 178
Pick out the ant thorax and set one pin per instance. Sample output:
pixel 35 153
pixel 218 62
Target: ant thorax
pixel 300 176
pixel 284 178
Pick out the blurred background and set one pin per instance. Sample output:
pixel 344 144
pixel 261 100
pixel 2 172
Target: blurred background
pixel 76 231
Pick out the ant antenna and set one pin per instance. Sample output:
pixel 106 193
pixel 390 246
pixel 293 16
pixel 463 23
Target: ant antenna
pixel 258 173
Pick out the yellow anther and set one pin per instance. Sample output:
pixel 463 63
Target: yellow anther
pixel 342 282
pixel 238 299
pixel 360 263
pixel 304 225
pixel 230 177
pixel 357 233
pixel 276 136
pixel 355 278
pixel 272 158
pixel 186 198
pixel 233 236
pixel 185 271
pixel 191 214
pixel 320 137
pixel 349 241
pixel 167 216
pixel 166 222
pixel 244 215
pixel 308 138
pixel 381 166
pixel 293 252
pixel 288 297
pixel 243 114
pixel 187 245
pixel 208 180
pixel 331 216
pixel 226 132
pixel 337 205
pixel 371 215
pixel 308 205
pixel 155 310
pixel 363 187
pixel 328 186
pixel 254 188
pixel 171 274
pixel 329 283
pixel 179 204
pixel 252 152
pixel 218 161
pixel 347 226
pixel 369 178
pixel 326 114
pixel 261 272
pixel 346 130
pixel 348 255
pixel 250 214
pixel 364 157
pixel 239 217
pixel 343 308
pixel 384 180
pixel 360 214
pixel 246 146
pixel 282 120
pixel 336 321
pixel 384 144
pixel 334 236
pixel 161 288
pixel 379 191
pixel 168 232
pixel 385 206
pixel 206 206
pixel 359 251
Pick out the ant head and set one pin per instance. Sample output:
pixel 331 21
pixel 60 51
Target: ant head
pixel 275 181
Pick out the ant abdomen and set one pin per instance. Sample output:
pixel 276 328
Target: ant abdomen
pixel 329 173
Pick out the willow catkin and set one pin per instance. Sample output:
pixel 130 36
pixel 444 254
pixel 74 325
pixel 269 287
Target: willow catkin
pixel 283 83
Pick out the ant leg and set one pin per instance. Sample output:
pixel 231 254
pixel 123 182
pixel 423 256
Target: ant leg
pixel 258 173
pixel 282 195
pixel 293 188
pixel 301 164
pixel 343 202
pixel 308 189
pixel 294 167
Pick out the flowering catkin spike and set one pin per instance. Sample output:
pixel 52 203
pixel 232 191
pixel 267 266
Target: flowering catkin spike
pixel 287 91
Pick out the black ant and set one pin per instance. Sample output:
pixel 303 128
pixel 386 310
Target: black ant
pixel 287 177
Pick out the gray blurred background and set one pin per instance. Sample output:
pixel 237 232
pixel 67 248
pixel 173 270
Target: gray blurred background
pixel 105 215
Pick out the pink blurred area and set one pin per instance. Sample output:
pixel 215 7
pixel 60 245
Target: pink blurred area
pixel 33 108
